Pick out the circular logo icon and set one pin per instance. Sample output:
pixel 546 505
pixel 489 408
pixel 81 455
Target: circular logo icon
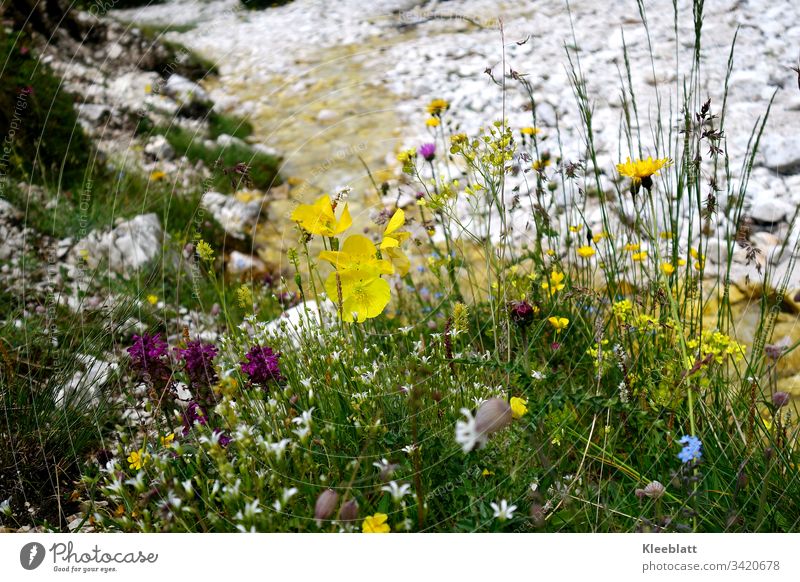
pixel 31 555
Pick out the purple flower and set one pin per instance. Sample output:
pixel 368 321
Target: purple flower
pixel 427 151
pixel 198 358
pixel 521 313
pixel 262 366
pixel 780 399
pixel 147 348
pixel 223 440
pixel 193 413
pixel 147 359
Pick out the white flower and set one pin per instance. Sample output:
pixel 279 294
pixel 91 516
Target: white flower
pixel 408 449
pixel 534 487
pixel 243 529
pixel 503 511
pixel 5 507
pixel 306 382
pixel 397 491
pixel 537 375
pixel 232 490
pixel 405 330
pixel 252 509
pixel 467 434
pixel 278 448
pixel 383 465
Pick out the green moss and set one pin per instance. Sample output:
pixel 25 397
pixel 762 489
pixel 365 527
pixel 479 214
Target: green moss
pixel 223 123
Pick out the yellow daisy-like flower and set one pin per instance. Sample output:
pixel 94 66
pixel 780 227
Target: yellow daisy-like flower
pixel 437 106
pixel 138 459
pixel 641 169
pixel 558 323
pixel 667 269
pixel 599 236
pixel 539 165
pixel 530 131
pixel 640 256
pixel 157 175
pixel 585 252
pixel 555 284
pixel 376 524
pixel 166 440
pixel 432 122
pixel 519 407
pixel 152 299
pixel 487 473
pixel 575 228
pixel 319 217
pixel 632 247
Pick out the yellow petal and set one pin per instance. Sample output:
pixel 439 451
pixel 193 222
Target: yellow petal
pixel 397 220
pixel 345 221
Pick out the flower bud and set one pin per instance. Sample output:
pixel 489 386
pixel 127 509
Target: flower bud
pixel 349 511
pixel 326 505
pixel 654 490
pixel 780 399
pixel 521 313
pixel 492 416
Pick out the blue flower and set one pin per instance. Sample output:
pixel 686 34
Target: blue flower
pixel 691 449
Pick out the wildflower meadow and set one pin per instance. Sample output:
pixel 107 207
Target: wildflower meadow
pixel 506 329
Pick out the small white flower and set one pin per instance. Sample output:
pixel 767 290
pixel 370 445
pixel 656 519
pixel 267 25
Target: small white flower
pixel 383 465
pixel 306 382
pixel 467 433
pixel 252 509
pixel 408 449
pixel 5 507
pixel 397 491
pixel 534 487
pixel 503 511
pixel 187 486
pixel 405 330
pixel 537 375
pixel 335 355
pixel 243 529
pixel 232 490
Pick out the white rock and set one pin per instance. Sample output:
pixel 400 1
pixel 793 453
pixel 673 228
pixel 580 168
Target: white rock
pixel 84 386
pixel 127 248
pixel 302 321
pixel 235 216
pixel 767 207
pixel 185 91
pixel 239 263
pixel 781 153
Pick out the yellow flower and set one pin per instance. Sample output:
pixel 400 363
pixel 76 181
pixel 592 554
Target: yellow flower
pixel 632 247
pixel 204 251
pixel 530 131
pixel 555 284
pixel 376 524
pixel 407 157
pixel 138 459
pixel 667 269
pixel 357 282
pixel 585 252
pixel 358 252
pixel 641 169
pixel 392 240
pixel 487 473
pixel 157 175
pixel 575 228
pixel 319 217
pixel 519 407
pixel 539 165
pixel 166 441
pixel 364 294
pixel 639 256
pixel 152 299
pixel 558 323
pixel 437 107
pixel 244 296
pixel 432 122
pixel 599 236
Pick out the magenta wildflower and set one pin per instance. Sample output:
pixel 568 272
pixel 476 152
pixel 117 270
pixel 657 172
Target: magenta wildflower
pixel 194 413
pixel 198 358
pixel 262 366
pixel 223 439
pixel 427 151
pixel 148 360
pixel 521 313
